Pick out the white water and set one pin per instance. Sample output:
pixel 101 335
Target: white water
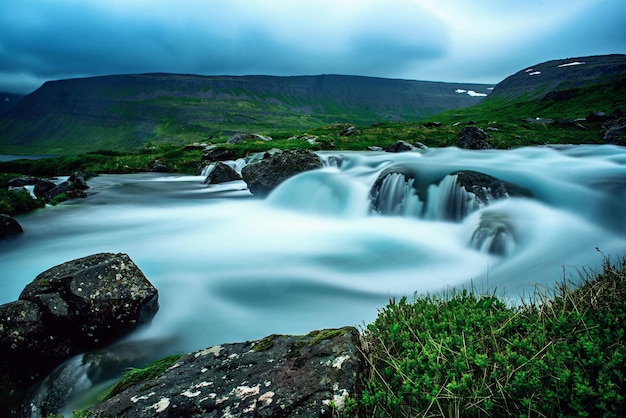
pixel 230 267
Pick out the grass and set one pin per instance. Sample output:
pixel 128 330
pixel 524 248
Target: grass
pixel 562 353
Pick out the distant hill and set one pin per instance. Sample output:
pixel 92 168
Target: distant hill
pixel 9 101
pixel 124 112
pixel 569 74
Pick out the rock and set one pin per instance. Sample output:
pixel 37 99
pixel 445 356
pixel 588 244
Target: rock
pixel 472 137
pixel 195 146
pixel 74 187
pixel 93 300
pixel 374 148
pixel 222 173
pixel 9 227
pixel 22 181
pixel 487 188
pixel 263 176
pixel 350 131
pixel 495 234
pixel 433 125
pixel 596 116
pixel 614 129
pixel 395 193
pixel 78 181
pixel 43 186
pixel 217 153
pixel 278 376
pixel 76 306
pixel 241 137
pixel 401 146
pixel 158 166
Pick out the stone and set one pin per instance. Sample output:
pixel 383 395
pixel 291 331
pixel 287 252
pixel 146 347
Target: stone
pixel 9 226
pixel 158 166
pixel 217 153
pixel 78 181
pixel 222 173
pixel 433 125
pixel 43 186
pixel 241 137
pixel 350 131
pixel 473 137
pixel 22 181
pixel 401 146
pixel 278 376
pixel 596 116
pixel 71 308
pixel 614 129
pixel 263 176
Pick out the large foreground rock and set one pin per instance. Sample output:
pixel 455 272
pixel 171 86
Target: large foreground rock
pixel 263 176
pixel 74 307
pixel 279 376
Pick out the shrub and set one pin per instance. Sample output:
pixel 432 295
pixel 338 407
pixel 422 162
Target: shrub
pixel 561 354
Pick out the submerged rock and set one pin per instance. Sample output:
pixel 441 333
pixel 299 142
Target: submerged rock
pixel 278 376
pixel 9 227
pixel 263 176
pixel 221 173
pixel 76 306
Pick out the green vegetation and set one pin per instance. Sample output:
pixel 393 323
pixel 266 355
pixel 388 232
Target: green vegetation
pixel 135 376
pixel 563 353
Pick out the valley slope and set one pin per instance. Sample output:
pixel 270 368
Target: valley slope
pixel 125 112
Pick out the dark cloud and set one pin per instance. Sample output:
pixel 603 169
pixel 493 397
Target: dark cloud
pixel 68 39
pixel 456 41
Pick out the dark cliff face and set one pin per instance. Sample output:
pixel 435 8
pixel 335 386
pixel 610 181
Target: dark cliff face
pixel 123 110
pixel 561 75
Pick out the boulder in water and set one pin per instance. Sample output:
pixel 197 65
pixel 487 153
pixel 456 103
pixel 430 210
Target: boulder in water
pixel 395 193
pixel 76 306
pixel 401 146
pixel 263 176
pixel 9 227
pixel 221 173
pixel 494 234
pixel 278 376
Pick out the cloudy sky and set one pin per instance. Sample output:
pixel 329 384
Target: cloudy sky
pixel 438 40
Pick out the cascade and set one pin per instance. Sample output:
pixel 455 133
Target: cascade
pixel 396 196
pixel 449 201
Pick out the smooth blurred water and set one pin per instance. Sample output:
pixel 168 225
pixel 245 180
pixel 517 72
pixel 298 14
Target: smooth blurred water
pixel 231 267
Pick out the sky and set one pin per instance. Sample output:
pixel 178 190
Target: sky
pixel 481 41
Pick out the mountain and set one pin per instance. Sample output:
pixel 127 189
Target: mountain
pixel 9 101
pixel 562 75
pixel 124 112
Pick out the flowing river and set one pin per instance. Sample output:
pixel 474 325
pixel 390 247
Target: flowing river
pixel 313 254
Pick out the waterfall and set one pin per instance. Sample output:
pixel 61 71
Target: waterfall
pixel 449 201
pixel 396 196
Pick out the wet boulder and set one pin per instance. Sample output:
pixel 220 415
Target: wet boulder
pixel 494 234
pixel 487 188
pixel 263 176
pixel 395 192
pixel 73 187
pixel 278 376
pixel 76 306
pixel 43 186
pixel 22 181
pixel 401 146
pixel 222 173
pixel 473 137
pixel 9 227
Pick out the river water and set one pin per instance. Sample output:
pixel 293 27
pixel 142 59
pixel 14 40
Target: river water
pixel 233 267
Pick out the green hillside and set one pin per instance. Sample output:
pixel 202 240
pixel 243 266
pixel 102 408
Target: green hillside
pixel 125 112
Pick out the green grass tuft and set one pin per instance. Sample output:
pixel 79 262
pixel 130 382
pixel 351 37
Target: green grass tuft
pixel 563 353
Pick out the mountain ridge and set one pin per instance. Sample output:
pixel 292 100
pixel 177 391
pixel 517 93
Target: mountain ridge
pixel 127 111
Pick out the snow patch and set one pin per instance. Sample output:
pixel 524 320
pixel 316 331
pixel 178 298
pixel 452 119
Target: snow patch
pixel 535 73
pixel 569 64
pixel 470 93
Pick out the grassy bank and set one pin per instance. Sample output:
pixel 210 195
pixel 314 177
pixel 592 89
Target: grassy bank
pixel 562 353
